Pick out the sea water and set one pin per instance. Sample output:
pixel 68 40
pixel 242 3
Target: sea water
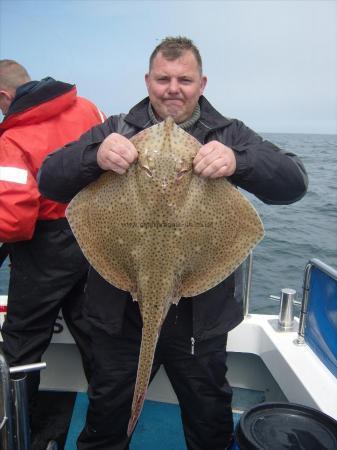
pixel 303 230
pixel 293 233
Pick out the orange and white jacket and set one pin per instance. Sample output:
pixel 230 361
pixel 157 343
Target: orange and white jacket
pixel 39 121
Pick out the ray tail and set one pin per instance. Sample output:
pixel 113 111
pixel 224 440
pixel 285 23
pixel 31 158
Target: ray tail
pixel 147 350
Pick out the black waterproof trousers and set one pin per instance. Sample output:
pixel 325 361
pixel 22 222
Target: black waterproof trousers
pixel 198 378
pixel 48 273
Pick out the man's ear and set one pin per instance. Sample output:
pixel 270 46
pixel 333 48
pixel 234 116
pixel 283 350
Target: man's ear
pixel 203 83
pixel 7 94
pixel 6 99
pixel 147 80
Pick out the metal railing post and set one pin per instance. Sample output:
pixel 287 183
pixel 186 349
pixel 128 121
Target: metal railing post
pixel 6 416
pixel 20 402
pixel 304 307
pixel 248 283
pixel 21 416
pixel 14 418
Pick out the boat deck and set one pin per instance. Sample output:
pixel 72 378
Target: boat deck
pixel 159 426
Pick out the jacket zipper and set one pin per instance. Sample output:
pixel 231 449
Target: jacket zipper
pixel 192 345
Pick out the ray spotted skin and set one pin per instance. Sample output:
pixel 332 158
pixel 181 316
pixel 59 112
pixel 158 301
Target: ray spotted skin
pixel 162 233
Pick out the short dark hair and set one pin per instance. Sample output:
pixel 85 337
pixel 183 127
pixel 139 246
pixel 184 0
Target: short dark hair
pixel 173 47
pixel 12 74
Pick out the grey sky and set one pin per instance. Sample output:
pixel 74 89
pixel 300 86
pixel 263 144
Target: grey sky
pixel 272 64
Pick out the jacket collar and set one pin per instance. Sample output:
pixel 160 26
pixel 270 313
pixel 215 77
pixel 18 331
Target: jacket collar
pixel 138 116
pixel 210 118
pixel 39 101
pixel 35 92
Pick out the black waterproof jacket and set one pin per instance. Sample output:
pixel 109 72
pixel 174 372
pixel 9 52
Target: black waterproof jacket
pixel 273 175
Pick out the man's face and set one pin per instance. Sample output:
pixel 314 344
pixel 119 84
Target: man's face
pixel 174 87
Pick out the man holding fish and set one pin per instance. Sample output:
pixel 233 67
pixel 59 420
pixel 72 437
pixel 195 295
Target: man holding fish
pixel 192 338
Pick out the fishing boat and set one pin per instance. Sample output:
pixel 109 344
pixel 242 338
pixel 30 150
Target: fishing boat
pixel 280 367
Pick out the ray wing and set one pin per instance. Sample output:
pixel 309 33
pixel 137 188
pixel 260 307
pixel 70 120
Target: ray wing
pixel 101 216
pixel 226 227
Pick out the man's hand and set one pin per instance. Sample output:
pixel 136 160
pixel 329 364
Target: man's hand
pixel 214 160
pixel 116 153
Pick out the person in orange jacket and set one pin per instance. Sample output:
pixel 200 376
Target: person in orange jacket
pixel 48 270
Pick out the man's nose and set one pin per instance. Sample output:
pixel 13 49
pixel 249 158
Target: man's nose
pixel 173 86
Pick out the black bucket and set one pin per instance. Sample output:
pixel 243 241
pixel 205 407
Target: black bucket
pixel 285 426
